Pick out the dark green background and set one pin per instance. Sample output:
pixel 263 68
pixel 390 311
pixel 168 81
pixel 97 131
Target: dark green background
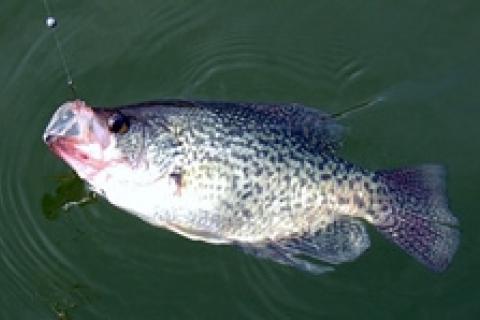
pixel 419 59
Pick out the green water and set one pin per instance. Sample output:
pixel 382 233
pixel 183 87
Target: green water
pixel 419 59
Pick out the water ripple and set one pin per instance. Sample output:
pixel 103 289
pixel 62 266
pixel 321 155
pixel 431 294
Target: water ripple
pixel 49 260
pixel 328 71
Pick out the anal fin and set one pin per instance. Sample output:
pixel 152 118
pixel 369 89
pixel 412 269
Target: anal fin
pixel 278 254
pixel 343 240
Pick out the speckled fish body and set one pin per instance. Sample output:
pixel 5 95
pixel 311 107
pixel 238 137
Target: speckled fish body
pixel 265 177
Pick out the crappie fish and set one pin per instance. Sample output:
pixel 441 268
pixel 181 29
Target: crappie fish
pixel 264 177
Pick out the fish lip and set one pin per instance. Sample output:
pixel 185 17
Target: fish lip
pixel 86 166
pixel 64 121
pixel 77 134
pixel 66 149
pixel 69 128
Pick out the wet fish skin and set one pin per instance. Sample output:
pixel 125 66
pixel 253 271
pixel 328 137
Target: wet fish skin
pixel 249 171
pixel 266 177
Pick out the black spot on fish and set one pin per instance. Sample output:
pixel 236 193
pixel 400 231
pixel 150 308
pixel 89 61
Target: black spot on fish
pixel 246 195
pixel 358 201
pixel 235 181
pixel 372 214
pixel 302 182
pixel 351 184
pixel 325 176
pixel 247 186
pixel 367 186
pixel 177 177
pixel 228 205
pixel 381 190
pixel 343 200
pixel 246 213
pixel 296 172
pixel 258 188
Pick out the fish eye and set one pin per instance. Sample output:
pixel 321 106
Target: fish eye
pixel 118 123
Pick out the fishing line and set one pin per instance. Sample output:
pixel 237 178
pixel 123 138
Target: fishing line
pixel 51 23
pixel 358 107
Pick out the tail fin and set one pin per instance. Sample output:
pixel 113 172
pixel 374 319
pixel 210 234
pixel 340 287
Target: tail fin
pixel 421 223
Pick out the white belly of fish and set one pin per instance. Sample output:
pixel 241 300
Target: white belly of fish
pixel 155 199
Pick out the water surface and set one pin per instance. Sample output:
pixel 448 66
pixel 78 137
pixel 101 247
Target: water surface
pixel 419 59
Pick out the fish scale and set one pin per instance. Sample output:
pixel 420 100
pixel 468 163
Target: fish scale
pixel 276 147
pixel 264 177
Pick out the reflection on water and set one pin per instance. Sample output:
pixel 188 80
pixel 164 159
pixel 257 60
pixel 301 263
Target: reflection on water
pixel 71 191
pixel 75 297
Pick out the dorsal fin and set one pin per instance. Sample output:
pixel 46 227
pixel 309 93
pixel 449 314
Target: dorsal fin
pixel 316 125
pixel 317 128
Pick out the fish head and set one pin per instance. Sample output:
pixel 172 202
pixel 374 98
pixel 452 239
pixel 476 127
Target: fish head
pixel 124 154
pixel 89 139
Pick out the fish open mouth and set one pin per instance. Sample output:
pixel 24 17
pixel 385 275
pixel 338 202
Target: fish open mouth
pixel 79 137
pixel 67 149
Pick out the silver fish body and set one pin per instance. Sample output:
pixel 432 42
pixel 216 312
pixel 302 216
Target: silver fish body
pixel 265 177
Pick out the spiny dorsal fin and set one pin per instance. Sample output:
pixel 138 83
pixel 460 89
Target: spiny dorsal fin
pixel 317 128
